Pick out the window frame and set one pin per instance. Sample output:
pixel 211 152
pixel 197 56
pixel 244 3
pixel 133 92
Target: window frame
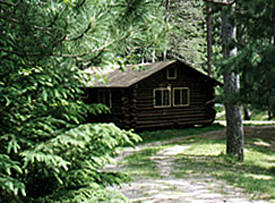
pixel 104 98
pixel 188 96
pixel 169 97
pixel 175 71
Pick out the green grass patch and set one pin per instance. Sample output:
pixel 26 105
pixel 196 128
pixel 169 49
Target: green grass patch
pixel 207 156
pixel 140 164
pixel 162 135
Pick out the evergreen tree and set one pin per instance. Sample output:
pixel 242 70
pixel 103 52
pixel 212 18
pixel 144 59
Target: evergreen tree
pixel 187 38
pixel 47 151
pixel 234 128
pixel 254 61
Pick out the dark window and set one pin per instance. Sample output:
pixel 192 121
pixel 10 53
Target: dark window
pixel 181 96
pixel 105 97
pixel 172 73
pixel 161 97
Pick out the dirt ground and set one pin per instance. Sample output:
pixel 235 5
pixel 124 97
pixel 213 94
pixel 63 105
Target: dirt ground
pixel 203 188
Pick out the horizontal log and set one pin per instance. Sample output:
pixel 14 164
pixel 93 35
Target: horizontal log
pixel 171 114
pixel 155 125
pixel 171 109
pixel 172 118
pixel 176 121
pixel 151 106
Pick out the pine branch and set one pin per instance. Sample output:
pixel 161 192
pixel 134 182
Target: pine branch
pixel 81 35
pixel 93 50
pixel 226 3
pixel 7 3
pixel 24 54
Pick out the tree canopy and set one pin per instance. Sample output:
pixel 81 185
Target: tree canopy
pixel 46 44
pixel 48 153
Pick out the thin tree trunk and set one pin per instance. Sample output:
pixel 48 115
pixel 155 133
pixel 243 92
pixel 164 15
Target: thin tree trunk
pixel 209 39
pixel 270 116
pixel 270 113
pixel 234 127
pixel 241 42
pixel 167 15
pixel 273 20
pixel 154 56
pixel 246 112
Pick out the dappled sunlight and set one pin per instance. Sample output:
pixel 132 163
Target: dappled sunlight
pixel 259 177
pixel 173 150
pixel 196 168
pixel 262 143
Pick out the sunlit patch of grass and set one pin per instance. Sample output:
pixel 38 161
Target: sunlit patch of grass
pixel 161 135
pixel 206 156
pixel 256 174
pixel 140 164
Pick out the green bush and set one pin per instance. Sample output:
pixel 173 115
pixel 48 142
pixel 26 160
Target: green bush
pixel 47 152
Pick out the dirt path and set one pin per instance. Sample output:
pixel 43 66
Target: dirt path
pixel 169 189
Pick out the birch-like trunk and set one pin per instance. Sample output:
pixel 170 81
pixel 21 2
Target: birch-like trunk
pixel 234 127
pixel 209 39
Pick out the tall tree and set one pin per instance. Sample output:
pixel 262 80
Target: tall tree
pixel 48 153
pixel 255 61
pixel 187 37
pixel 234 128
pixel 209 39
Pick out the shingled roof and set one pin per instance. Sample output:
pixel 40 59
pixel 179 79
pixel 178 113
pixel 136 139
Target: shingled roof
pixel 116 78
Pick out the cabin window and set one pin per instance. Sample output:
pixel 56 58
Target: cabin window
pixel 162 98
pixel 172 73
pixel 105 97
pixel 181 96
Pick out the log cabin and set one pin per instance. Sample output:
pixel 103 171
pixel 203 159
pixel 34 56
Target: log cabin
pixel 167 94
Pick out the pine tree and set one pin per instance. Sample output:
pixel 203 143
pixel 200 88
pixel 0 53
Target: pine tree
pixel 48 153
pixel 234 128
pixel 187 38
pixel 254 61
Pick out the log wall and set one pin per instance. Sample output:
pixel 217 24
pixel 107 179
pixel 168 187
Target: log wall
pixel 200 110
pixel 133 107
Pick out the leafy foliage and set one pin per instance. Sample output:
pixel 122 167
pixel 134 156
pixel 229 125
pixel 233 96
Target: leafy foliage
pixel 254 61
pixel 187 34
pixel 47 151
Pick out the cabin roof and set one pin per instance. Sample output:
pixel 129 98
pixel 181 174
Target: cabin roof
pixel 116 78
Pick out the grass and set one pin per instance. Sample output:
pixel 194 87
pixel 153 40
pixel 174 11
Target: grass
pixel 255 115
pixel 256 175
pixel 139 164
pixel 163 135
pixel 206 156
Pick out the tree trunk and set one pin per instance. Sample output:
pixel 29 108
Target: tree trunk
pixel 270 113
pixel 234 127
pixel 246 112
pixel 209 39
pixel 167 15
pixel 241 42
pixel 273 22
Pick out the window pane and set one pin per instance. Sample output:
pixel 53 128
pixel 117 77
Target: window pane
pixel 166 97
pixel 158 98
pixel 177 97
pixel 184 97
